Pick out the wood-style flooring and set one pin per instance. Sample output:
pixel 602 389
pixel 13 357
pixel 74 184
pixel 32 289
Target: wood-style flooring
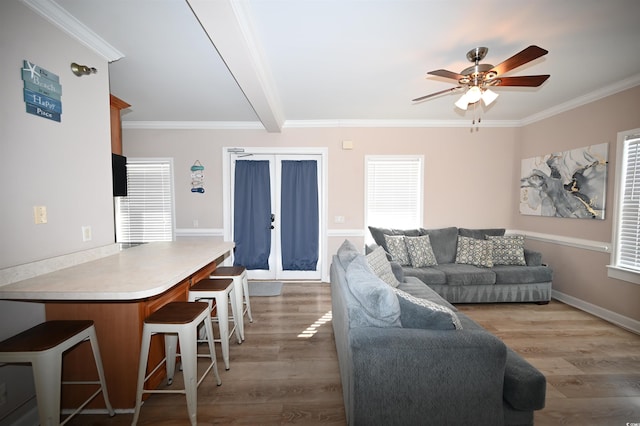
pixel 286 371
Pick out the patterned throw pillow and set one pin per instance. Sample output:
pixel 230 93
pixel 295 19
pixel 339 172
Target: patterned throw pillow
pixel 380 266
pixel 397 249
pixel 474 252
pixel 425 314
pixel 420 251
pixel 508 250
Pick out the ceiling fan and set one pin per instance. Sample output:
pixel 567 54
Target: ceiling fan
pixel 478 78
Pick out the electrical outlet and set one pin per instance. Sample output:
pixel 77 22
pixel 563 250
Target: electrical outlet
pixel 196 223
pixel 40 214
pixel 3 393
pixel 86 233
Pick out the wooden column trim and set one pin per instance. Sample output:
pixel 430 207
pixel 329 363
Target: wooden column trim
pixel 116 105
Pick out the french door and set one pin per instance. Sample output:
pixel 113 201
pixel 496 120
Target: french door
pixel 275 214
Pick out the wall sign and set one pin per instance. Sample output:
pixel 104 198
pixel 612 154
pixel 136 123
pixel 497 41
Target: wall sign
pixel 42 92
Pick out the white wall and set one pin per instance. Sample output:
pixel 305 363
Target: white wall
pixel 580 273
pixel 64 166
pixel 467 175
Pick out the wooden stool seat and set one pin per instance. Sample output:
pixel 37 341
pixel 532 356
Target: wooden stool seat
pixel 176 313
pixel 44 336
pixel 43 346
pixel 211 285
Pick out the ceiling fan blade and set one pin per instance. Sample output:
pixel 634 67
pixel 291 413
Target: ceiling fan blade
pixel 523 81
pixel 446 74
pixel 527 55
pixel 422 98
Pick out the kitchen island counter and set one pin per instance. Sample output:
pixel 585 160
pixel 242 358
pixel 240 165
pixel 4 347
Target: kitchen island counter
pixel 118 292
pixel 136 273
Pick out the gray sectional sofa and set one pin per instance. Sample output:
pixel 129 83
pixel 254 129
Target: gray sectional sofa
pixel 511 274
pixel 407 357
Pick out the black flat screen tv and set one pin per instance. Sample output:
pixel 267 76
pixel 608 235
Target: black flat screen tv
pixel 119 171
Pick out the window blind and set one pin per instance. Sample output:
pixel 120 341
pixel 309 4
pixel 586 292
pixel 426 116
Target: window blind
pixel 629 217
pixel 146 213
pixel 394 191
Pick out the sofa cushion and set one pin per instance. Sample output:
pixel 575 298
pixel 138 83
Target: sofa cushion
pixel 472 251
pixel 379 233
pixel 346 253
pixel 397 248
pixel 429 275
pixel 380 266
pixel 510 274
pixel 419 289
pixel 420 251
pixel 424 314
pixel 443 242
pixel 461 274
pixel 480 234
pixel 378 304
pixel 508 250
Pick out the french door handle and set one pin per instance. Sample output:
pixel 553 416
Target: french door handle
pixel 273 219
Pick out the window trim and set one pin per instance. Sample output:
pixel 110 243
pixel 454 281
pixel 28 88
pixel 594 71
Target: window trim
pixel 614 270
pixel 420 201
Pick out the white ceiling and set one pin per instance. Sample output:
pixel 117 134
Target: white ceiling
pixel 283 63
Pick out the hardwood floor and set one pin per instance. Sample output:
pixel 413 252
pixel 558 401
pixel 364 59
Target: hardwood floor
pixel 286 371
pixel 592 367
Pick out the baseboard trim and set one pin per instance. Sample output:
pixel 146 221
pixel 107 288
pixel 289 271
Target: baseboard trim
pixel 620 320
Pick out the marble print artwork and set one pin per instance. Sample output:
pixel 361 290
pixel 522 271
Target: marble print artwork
pixel 565 184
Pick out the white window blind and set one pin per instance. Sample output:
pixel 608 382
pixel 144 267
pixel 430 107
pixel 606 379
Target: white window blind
pixel 146 214
pixel 394 191
pixel 628 238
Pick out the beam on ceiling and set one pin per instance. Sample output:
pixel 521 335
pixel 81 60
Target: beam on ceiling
pixel 229 29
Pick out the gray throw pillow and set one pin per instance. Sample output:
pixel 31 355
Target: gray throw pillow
pixel 397 249
pixel 508 250
pixel 380 266
pixel 346 253
pixel 424 314
pixel 420 251
pixel 475 252
pixel 379 306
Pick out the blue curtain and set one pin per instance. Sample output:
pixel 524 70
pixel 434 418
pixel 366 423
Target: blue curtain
pixel 252 214
pixel 300 217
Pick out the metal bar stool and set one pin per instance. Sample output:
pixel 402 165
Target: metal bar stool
pixel 222 291
pixel 239 276
pixel 179 322
pixel 43 346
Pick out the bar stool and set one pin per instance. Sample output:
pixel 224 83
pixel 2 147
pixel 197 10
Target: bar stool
pixel 222 291
pixel 43 346
pixel 179 322
pixel 239 276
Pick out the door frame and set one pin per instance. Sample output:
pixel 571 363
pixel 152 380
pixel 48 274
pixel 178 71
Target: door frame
pixel 322 192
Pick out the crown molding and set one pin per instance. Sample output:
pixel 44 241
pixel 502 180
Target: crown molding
pixel 58 16
pixel 397 123
pixel 193 125
pixel 592 96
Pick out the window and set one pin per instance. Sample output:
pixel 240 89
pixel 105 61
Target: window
pixel 625 264
pixel 146 214
pixel 393 195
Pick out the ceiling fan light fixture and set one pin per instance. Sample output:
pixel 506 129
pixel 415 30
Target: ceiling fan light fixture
pixel 488 96
pixel 462 103
pixel 474 94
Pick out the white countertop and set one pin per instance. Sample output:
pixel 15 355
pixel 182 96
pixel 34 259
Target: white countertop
pixel 135 273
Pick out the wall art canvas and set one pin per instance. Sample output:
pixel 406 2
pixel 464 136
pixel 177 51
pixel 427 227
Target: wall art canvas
pixel 565 184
